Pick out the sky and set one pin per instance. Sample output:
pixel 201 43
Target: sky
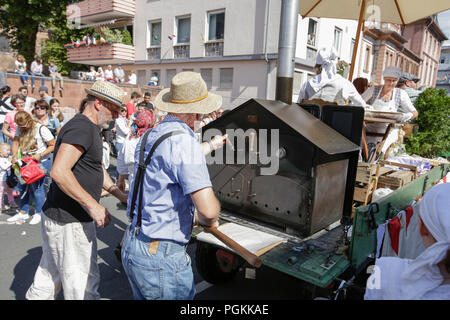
pixel 444 24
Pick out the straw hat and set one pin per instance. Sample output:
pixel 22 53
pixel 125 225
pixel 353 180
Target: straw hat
pixel 188 94
pixel 107 91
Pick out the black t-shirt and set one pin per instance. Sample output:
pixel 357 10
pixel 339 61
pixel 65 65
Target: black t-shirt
pixel 88 171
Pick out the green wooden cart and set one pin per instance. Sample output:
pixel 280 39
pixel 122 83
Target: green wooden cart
pixel 329 256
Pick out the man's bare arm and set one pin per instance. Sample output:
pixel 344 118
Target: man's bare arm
pixel 111 188
pixel 62 174
pixel 207 205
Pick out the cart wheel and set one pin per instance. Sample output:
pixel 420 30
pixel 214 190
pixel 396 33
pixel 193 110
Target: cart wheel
pixel 208 265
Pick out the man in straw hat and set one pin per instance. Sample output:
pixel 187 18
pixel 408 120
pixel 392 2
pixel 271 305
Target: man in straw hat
pixel 166 191
pixel 72 209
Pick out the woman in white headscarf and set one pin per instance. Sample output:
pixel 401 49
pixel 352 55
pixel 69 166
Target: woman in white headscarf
pixel 328 85
pixel 428 276
pixel 389 98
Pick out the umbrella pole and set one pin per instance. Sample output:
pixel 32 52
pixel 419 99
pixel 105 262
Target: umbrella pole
pixel 358 35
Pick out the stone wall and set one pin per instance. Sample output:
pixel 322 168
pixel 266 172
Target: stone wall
pixel 74 90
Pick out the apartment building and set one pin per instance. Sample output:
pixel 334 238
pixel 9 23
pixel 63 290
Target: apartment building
pixel 443 77
pixel 233 44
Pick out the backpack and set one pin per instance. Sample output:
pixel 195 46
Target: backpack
pixel 11 180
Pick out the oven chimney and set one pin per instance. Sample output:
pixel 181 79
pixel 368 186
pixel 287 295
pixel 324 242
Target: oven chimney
pixel 286 50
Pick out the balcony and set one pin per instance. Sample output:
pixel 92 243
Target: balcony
pixel 113 53
pixel 91 11
pixel 214 49
pixel 181 51
pixel 153 53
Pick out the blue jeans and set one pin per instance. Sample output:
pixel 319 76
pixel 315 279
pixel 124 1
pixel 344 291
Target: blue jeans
pixel 35 190
pixel 166 275
pixel 23 76
pixel 39 75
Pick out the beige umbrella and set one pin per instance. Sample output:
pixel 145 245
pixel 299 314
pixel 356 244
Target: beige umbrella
pixel 386 11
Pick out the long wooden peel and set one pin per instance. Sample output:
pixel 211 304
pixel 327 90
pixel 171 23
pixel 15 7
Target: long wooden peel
pixel 251 258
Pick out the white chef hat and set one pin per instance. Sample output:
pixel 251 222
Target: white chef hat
pixel 392 72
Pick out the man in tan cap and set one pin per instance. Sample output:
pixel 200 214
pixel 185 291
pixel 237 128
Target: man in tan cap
pixel 72 209
pixel 168 186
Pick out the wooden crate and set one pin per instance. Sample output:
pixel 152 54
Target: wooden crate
pixel 366 182
pixel 396 179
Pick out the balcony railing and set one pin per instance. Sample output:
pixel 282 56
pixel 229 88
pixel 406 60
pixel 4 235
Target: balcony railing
pixel 90 11
pixel 102 54
pixel 181 51
pixel 153 53
pixel 214 49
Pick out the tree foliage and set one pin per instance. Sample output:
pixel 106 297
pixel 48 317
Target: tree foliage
pixel 53 48
pixel 433 136
pixel 20 21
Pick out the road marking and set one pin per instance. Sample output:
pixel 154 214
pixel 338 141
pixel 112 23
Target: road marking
pixel 202 286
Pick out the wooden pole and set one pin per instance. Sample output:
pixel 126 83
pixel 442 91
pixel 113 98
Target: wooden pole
pixel 358 34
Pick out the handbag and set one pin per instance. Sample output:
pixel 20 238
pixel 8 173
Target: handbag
pixel 31 170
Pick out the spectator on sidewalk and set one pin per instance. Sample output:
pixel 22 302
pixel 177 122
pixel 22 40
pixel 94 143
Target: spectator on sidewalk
pixel 109 74
pixel 100 75
pixel 9 125
pixel 132 79
pixel 55 75
pixel 36 71
pixel 131 106
pixel 90 76
pixel 5 166
pixel 122 126
pixel 43 93
pixel 72 207
pixel 55 111
pixel 148 101
pixel 154 80
pixel 21 69
pixel 29 101
pixel 5 107
pixel 34 141
pixel 42 114
pixel 119 74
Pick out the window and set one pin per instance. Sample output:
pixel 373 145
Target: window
pixel 207 76
pixel 352 47
pixel 183 30
pixel 170 73
pixel 142 77
pixel 337 39
pixel 312 31
pixel 226 78
pixel 311 54
pixel 298 77
pixel 216 26
pixel 155 33
pixel 191 70
pixel 366 60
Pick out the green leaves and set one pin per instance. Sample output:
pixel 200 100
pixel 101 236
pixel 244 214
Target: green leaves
pixel 434 124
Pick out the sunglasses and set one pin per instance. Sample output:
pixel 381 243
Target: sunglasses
pixel 40 107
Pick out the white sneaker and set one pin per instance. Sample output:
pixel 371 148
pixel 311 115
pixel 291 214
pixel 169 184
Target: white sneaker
pixel 36 219
pixel 19 216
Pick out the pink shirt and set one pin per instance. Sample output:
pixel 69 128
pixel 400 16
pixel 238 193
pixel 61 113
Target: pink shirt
pixel 9 119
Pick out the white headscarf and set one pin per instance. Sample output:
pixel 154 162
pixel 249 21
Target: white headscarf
pixel 422 274
pixel 328 59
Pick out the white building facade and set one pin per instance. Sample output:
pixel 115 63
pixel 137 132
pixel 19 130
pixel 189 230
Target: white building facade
pixel 233 44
